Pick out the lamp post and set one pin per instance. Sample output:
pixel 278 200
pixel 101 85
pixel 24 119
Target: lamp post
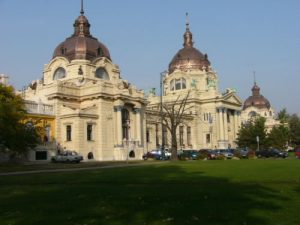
pixel 257 139
pixel 162 74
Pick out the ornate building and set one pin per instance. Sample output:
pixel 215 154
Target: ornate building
pixel 258 105
pixel 97 113
pixel 214 117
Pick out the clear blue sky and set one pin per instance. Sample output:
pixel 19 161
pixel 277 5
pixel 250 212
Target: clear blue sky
pixel 239 37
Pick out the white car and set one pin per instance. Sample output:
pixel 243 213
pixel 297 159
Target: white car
pixel 67 156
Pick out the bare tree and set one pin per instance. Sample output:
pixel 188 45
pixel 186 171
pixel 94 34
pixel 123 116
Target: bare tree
pixel 173 116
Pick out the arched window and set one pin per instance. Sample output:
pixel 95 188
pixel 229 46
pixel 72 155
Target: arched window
pixel 178 84
pixel 125 123
pixel 252 114
pixel 101 73
pixel 59 73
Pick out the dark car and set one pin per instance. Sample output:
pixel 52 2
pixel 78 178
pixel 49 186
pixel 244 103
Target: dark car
pixel 271 153
pixel 207 153
pixel 157 154
pixel 189 154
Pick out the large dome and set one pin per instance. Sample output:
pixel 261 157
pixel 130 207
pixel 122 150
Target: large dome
pixel 81 45
pixel 256 100
pixel 189 57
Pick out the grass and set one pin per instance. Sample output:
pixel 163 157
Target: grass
pixel 244 192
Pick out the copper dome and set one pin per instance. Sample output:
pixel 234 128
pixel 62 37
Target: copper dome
pixel 81 45
pixel 256 100
pixel 188 57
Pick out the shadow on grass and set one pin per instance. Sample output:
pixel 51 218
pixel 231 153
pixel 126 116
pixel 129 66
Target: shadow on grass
pixel 160 194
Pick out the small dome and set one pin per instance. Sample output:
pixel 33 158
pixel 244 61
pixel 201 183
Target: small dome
pixel 81 45
pixel 189 57
pixel 256 100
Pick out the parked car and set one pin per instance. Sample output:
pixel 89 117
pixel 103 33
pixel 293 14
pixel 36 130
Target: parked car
pixel 207 153
pixel 157 154
pixel 297 152
pixel 227 153
pixel 271 153
pixel 68 157
pixel 189 154
pixel 241 152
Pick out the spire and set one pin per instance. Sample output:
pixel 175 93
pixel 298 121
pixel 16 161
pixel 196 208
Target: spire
pixel 188 36
pixel 255 89
pixel 187 21
pixel 81 25
pixel 81 11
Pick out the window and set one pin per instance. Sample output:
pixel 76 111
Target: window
pixel 99 52
pixel 89 131
pixel 69 132
pixel 207 138
pixel 181 136
pixel 101 73
pixel 178 84
pixel 188 135
pixel 59 73
pixel 125 123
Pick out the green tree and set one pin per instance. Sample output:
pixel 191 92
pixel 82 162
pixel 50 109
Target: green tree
pixel 294 124
pixel 15 136
pixel 283 116
pixel 279 136
pixel 247 136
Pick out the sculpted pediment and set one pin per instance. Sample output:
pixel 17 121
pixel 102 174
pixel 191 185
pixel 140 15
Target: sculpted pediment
pixel 233 99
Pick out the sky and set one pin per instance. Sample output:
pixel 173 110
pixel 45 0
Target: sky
pixel 239 36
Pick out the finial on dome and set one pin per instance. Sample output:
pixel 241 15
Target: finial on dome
pixel 81 11
pixel 254 77
pixel 188 36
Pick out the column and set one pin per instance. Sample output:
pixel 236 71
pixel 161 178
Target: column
pixel 118 110
pixel 138 125
pixel 225 124
pixel 221 125
pixel 235 124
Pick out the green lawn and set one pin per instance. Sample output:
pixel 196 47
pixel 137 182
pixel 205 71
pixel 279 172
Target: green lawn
pixel 229 192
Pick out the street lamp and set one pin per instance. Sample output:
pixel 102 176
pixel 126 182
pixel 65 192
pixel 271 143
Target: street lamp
pixel 162 75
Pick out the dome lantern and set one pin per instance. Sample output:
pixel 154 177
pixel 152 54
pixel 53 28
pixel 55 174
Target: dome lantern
pixel 81 45
pixel 189 58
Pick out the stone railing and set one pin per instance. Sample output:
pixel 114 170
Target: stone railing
pixel 39 108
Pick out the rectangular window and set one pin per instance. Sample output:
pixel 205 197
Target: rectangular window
pixel 89 131
pixel 188 135
pixel 69 132
pixel 207 138
pixel 181 136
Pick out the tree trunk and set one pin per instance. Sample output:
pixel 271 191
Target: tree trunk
pixel 174 156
